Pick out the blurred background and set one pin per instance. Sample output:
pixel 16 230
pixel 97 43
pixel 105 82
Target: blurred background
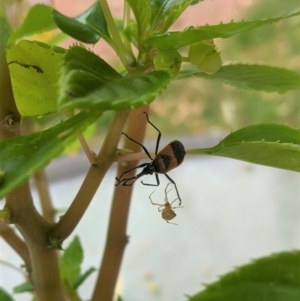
pixel 233 211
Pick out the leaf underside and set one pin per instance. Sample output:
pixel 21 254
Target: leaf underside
pixel 104 88
pixel 121 94
pixel 21 157
pixel 207 32
pixel 266 144
pixel 88 27
pixel 165 12
pixel 254 77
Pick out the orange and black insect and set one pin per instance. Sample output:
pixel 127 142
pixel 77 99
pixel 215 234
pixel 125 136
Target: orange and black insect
pixel 170 157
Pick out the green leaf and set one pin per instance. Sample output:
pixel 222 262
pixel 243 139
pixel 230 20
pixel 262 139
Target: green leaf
pixel 83 277
pixel 38 19
pixel 207 32
pixel 4 296
pixel 131 34
pixel 34 69
pixel 88 27
pixel 124 94
pixel 21 157
pixel 120 298
pixel 165 12
pixel 276 277
pixel 71 262
pixel 5 31
pixel 256 77
pixel 266 144
pixel 83 71
pixel 23 288
pixel 142 14
pixel 94 84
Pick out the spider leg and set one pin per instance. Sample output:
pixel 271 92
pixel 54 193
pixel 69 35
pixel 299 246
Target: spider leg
pixel 160 205
pixel 166 192
pixel 175 188
pixel 161 208
pixel 144 148
pixel 157 182
pixel 171 223
pixel 159 133
pixel 173 202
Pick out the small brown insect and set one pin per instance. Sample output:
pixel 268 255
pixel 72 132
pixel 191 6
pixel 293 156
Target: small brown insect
pixel 166 209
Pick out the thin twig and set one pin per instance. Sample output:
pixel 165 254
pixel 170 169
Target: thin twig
pixel 89 154
pixel 13 267
pixel 134 156
pixel 93 179
pixel 42 185
pixel 15 242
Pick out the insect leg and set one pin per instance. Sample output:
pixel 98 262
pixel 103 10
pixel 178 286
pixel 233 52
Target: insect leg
pixel 144 148
pixel 175 188
pixel 125 181
pixel 135 177
pixel 159 133
pixel 157 182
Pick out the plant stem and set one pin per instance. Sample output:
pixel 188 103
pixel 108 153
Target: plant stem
pixel 125 56
pixel 126 15
pixel 86 149
pixel 93 179
pixel 42 185
pixel 44 261
pixel 15 242
pixel 116 237
pixel 134 156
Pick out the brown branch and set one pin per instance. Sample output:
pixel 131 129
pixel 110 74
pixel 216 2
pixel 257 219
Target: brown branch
pixel 42 185
pixel 93 179
pixel 117 237
pixel 16 243
pixel 134 156
pixel 34 229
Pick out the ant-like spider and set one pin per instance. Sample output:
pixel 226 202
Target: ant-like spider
pixel 166 209
pixel 171 156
